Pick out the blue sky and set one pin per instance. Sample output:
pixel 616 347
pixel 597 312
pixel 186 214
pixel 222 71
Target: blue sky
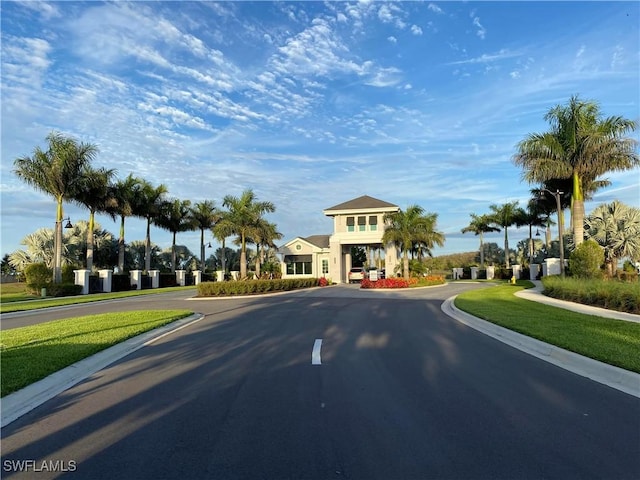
pixel 309 104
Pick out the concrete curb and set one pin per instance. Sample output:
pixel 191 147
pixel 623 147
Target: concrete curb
pixel 23 401
pixel 614 377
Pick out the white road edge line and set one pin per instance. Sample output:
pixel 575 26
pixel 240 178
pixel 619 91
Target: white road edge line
pixel 315 353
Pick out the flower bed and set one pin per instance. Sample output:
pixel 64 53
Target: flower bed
pixel 395 282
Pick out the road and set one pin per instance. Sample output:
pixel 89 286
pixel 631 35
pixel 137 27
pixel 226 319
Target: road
pixel 401 392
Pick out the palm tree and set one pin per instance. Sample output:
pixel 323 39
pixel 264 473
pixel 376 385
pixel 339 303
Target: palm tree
pixel 56 172
pixel 147 204
pixel 263 235
pixel 479 225
pixel 405 228
pixel 204 215
pixel 40 249
pixel 174 216
pixel 221 230
pixel 504 216
pixel 616 228
pixel 124 192
pixel 242 216
pixel 533 216
pixel 581 146
pixel 94 191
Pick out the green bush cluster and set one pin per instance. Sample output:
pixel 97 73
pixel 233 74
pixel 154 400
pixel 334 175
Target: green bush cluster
pixel 611 294
pixel 248 287
pixel 586 260
pixel 38 276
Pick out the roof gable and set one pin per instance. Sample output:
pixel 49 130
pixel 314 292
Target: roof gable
pixel 364 202
pixel 321 241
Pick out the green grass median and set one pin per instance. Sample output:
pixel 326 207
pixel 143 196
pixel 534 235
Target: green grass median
pixel 14 301
pixel 616 342
pixel 29 354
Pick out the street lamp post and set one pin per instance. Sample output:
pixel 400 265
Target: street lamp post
pixel 57 249
pixel 557 195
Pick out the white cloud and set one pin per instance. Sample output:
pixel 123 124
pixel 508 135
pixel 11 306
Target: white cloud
pixel 434 8
pixel 488 58
pixel 392 39
pixel 481 32
pixel 416 30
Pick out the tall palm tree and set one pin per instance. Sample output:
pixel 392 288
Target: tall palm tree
pixel 504 216
pixel 405 228
pixel 242 216
pixel 479 225
pixel 615 227
pixel 263 235
pixel 221 230
pixel 95 193
pixel 204 215
pixel 581 146
pixel 147 204
pixel 174 216
pixel 56 172
pixel 124 192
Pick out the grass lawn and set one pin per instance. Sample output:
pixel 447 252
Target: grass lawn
pixel 10 298
pixel 14 292
pixel 29 354
pixel 616 342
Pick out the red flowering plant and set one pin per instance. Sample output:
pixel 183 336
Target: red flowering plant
pixel 323 282
pixel 395 282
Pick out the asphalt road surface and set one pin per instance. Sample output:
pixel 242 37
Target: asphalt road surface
pixel 332 383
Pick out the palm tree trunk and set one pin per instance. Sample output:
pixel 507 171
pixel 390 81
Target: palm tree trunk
pixel 173 253
pixel 147 247
pixel 530 244
pixel 258 259
pixel 121 246
pixel 578 211
pixel 481 251
pixel 90 241
pixel 202 266
pixel 57 254
pixel 224 259
pixel 405 265
pixel 506 247
pixel 243 257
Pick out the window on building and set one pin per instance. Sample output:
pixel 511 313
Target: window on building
pixel 362 224
pixel 351 224
pixel 298 264
pixel 325 267
pixel 373 223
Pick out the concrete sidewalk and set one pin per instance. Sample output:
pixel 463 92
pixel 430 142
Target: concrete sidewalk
pixel 614 377
pixel 535 294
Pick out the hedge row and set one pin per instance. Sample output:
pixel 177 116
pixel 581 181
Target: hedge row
pixel 610 294
pixel 248 287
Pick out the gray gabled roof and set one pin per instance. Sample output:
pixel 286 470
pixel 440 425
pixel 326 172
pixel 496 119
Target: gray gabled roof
pixel 321 241
pixel 360 203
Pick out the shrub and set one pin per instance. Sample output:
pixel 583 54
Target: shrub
pixel 249 287
pixel 64 289
pixel 38 276
pixel 611 294
pixel 585 261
